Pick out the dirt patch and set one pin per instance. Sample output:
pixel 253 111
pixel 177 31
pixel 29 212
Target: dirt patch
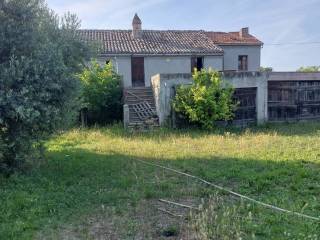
pixel 150 219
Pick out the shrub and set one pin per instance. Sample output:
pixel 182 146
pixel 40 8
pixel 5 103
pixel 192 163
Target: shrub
pixel 101 93
pixel 39 57
pixel 206 101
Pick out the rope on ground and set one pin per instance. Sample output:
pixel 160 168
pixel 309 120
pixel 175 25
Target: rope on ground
pixel 230 192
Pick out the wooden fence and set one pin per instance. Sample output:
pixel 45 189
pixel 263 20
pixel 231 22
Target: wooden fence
pixel 246 111
pixel 293 100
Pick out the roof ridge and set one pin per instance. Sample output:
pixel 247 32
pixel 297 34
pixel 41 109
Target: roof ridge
pixel 145 30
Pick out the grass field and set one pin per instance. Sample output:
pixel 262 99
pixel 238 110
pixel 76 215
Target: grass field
pixel 91 186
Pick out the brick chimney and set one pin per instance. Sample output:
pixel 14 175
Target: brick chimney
pixel 136 27
pixel 244 32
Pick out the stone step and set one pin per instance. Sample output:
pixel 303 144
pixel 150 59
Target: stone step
pixel 138 91
pixel 134 114
pixel 148 99
pixel 138 88
pixel 130 104
pixel 139 95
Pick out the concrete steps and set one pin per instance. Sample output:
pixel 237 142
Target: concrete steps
pixel 138 95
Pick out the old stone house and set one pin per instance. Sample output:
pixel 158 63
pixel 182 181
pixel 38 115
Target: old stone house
pixel 139 54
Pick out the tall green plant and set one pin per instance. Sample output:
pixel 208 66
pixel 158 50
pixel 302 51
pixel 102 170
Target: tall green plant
pixel 40 55
pixel 102 93
pixel 207 100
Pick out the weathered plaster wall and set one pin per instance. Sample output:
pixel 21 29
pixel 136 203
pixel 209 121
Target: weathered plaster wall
pixel 163 85
pixel 159 65
pixel 165 65
pixel 122 66
pixel 214 62
pixel 172 65
pixel 231 54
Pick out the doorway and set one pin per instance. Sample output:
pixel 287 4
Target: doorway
pixel 137 70
pixel 196 63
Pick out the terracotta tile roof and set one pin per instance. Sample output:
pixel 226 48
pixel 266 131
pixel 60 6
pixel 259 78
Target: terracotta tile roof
pixel 232 38
pixel 152 42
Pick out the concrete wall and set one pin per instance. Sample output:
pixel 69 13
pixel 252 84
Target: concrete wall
pixel 163 85
pixel 163 91
pixel 252 79
pixel 122 66
pixel 294 76
pixel 231 55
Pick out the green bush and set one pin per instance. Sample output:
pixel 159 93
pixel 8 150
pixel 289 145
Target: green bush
pixel 206 101
pixel 40 55
pixel 101 93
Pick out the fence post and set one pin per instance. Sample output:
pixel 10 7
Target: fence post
pixel 126 116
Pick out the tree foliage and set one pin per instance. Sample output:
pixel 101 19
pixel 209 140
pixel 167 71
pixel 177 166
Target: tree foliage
pixel 309 69
pixel 207 100
pixel 39 56
pixel 101 93
pixel 266 69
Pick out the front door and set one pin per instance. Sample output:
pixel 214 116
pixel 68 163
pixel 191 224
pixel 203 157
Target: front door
pixel 137 69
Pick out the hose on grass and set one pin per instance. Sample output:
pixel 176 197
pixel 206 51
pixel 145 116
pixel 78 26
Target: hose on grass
pixel 231 192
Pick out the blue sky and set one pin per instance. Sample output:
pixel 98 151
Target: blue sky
pixel 272 21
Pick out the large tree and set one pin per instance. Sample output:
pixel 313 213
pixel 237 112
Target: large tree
pixel 40 55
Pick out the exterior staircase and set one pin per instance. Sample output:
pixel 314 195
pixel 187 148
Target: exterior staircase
pixel 142 109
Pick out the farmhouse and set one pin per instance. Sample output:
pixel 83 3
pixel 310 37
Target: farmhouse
pixel 139 54
pixel 153 62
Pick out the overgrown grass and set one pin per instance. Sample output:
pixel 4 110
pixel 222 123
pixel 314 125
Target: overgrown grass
pixel 88 170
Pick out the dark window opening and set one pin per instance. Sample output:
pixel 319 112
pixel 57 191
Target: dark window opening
pixel 243 63
pixel 196 63
pixel 107 62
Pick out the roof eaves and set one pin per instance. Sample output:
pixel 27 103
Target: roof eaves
pixel 160 54
pixel 240 44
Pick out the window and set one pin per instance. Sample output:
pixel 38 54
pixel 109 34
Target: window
pixel 196 63
pixel 108 61
pixel 243 63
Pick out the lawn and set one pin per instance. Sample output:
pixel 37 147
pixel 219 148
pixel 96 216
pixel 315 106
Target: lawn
pixel 91 186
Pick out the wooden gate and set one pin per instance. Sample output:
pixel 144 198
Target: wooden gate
pixel 293 100
pixel 246 111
